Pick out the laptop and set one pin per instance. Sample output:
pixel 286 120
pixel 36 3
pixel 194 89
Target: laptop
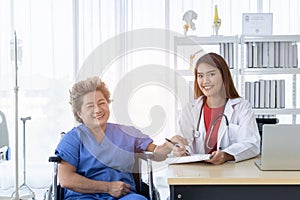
pixel 280 147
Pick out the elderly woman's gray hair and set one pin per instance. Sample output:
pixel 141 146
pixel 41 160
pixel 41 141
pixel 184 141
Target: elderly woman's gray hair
pixel 81 88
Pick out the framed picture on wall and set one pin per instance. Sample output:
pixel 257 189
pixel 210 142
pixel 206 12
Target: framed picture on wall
pixel 257 23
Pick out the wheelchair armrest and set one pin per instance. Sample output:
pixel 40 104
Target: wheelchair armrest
pixel 54 159
pixel 147 155
pixel 147 189
pixel 55 191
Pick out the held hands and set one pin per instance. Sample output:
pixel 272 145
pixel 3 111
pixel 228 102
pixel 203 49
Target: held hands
pixel 118 188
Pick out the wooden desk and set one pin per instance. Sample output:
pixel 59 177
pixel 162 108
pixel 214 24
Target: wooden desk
pixel 240 181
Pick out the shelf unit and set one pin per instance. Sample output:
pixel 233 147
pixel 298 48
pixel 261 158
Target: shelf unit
pixel 240 71
pixel 276 71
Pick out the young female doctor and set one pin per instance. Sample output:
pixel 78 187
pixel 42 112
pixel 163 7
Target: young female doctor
pixel 218 122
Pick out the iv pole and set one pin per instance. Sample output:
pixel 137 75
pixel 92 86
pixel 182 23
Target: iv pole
pixel 23 187
pixel 16 118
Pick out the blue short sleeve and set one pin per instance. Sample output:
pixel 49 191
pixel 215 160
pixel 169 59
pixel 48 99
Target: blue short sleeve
pixel 141 141
pixel 68 148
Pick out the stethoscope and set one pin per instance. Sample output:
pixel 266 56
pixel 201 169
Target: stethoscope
pixel 197 132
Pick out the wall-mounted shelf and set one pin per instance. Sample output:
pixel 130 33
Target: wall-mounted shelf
pixel 276 111
pixel 267 71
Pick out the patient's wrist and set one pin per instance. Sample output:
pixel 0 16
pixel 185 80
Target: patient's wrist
pixel 108 187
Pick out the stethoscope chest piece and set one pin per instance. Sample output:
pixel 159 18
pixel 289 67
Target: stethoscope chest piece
pixel 196 134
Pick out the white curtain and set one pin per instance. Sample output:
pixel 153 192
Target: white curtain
pixel 57 37
pixel 45 73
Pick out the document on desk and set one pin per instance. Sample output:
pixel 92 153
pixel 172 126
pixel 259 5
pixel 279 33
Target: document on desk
pixel 187 159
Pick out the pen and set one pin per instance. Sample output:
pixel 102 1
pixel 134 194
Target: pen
pixel 174 143
pixel 177 145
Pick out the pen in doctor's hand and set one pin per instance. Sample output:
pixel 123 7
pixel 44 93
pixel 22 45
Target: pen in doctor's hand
pixel 178 145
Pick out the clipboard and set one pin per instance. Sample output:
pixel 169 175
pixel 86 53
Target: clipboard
pixel 187 159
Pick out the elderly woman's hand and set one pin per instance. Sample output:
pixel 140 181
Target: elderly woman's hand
pixel 118 188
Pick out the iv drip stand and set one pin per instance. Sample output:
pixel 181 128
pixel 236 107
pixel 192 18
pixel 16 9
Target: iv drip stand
pixel 16 119
pixel 16 194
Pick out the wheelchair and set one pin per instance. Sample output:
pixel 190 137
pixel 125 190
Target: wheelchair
pixel 147 189
pixel 4 144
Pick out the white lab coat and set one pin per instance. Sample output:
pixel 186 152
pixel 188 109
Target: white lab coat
pixel 241 141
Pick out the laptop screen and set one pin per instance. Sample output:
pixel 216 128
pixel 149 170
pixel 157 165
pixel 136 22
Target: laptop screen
pixel 280 147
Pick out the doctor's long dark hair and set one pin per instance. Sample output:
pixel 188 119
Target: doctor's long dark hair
pixel 217 61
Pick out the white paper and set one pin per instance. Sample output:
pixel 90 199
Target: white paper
pixel 188 159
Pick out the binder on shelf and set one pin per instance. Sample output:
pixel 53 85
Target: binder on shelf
pixel 267 93
pixel 282 93
pixel 254 53
pixel 222 50
pixel 286 54
pixel 261 93
pixel 276 51
pixel 290 55
pixel 271 52
pixel 247 90
pixel 256 95
pixel 252 94
pixel 265 54
pixel 295 55
pixel 226 52
pixel 249 54
pixel 282 54
pixel 273 94
pixel 259 54
pixel 230 55
pixel 278 94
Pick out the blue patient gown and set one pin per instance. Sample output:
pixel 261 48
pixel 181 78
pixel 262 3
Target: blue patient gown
pixel 112 160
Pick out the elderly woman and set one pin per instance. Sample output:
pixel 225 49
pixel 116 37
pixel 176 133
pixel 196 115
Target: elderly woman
pixel 98 156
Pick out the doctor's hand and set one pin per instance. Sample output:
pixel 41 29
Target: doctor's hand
pixel 179 149
pixel 219 157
